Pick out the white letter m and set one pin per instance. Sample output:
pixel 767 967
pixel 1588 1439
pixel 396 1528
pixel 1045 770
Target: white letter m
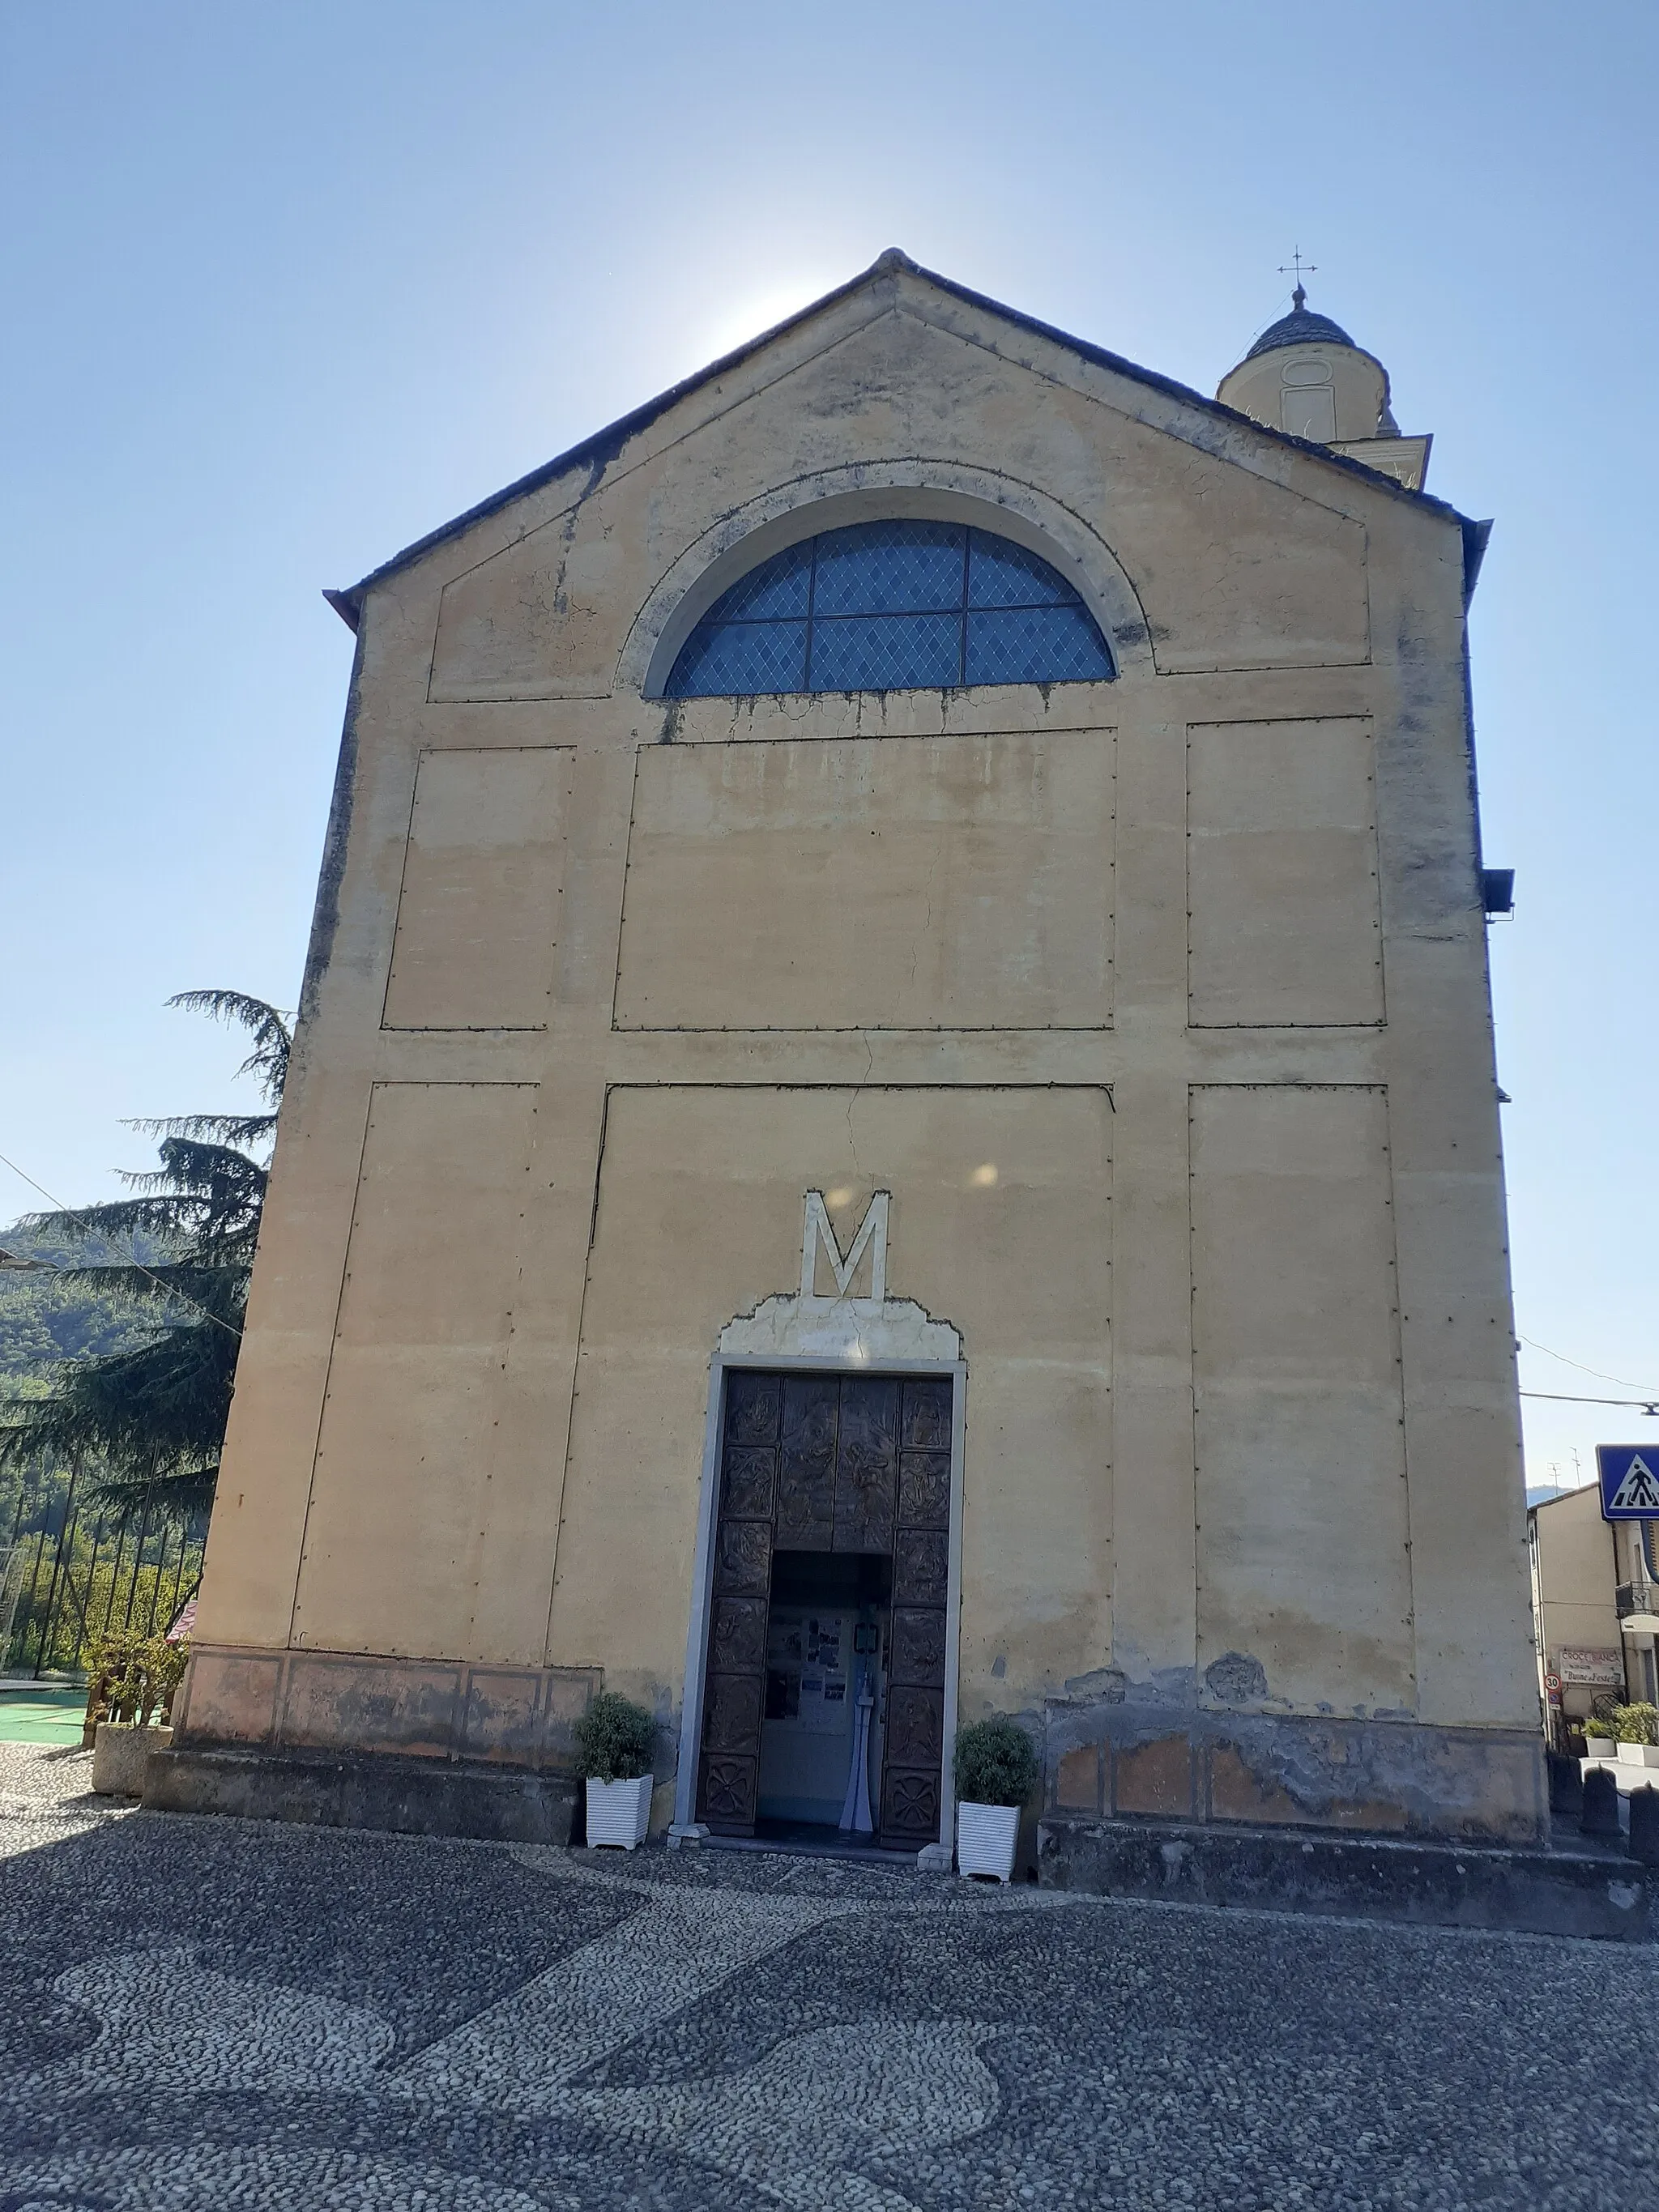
pixel 872 1236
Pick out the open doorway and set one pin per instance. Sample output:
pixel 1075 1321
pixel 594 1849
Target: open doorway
pixel 822 1712
pixel 824 1691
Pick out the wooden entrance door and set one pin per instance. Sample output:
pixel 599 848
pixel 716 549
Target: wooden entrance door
pixel 914 1745
pixel 830 1464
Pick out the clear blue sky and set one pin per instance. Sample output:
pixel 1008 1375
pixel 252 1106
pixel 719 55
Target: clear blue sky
pixel 288 284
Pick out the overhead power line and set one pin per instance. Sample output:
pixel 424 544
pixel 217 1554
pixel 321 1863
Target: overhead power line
pixel 159 1281
pixel 1566 1398
pixel 1625 1380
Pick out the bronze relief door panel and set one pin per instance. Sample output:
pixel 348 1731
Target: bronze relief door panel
pixel 913 1743
pixel 734 1690
pixel 830 1464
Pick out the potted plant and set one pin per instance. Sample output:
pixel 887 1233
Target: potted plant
pixel 994 1768
pixel 134 1678
pixel 1638 1730
pixel 1600 1730
pixel 615 1741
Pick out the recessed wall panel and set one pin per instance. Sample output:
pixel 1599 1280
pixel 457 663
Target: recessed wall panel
pixel 479 908
pixel 1286 928
pixel 403 1470
pixel 944 883
pixel 1303 1581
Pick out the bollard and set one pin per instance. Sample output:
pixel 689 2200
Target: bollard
pixel 1643 1843
pixel 1600 1814
pixel 1566 1784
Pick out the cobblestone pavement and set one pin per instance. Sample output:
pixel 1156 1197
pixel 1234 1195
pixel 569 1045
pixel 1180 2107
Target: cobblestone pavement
pixel 215 2015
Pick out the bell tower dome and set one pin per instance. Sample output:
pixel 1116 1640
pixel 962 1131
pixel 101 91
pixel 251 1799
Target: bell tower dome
pixel 1305 375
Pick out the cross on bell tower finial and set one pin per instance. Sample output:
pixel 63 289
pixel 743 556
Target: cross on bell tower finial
pixel 1299 297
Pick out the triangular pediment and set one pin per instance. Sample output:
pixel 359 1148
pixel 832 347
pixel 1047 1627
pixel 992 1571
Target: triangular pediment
pixel 908 300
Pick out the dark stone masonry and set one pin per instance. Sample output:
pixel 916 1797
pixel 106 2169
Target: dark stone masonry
pixel 214 2013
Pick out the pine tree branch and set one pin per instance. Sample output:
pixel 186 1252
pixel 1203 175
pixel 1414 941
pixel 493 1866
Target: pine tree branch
pixel 273 1039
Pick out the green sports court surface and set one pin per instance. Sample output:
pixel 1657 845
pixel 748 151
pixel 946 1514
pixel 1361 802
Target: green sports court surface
pixel 41 1712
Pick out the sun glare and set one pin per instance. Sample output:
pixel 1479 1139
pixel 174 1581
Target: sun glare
pixel 760 311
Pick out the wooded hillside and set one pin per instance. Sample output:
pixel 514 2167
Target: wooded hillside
pixel 44 1319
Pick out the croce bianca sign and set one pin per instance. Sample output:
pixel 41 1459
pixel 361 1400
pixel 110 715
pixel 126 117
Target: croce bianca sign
pixel 1596 1670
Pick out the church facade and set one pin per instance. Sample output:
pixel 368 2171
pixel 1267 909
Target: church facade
pixel 894 1119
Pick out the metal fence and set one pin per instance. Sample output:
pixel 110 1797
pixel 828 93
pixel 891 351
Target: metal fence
pixel 72 1569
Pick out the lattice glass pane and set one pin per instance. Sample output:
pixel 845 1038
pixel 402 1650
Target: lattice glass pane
pixel 730 659
pixel 889 568
pixel 886 601
pixel 1003 575
pixel 778 587
pixel 887 653
pixel 1035 645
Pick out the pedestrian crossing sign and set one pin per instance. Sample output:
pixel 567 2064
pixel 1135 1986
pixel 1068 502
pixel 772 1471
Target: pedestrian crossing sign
pixel 1630 1482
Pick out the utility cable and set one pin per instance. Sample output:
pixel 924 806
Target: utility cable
pixel 1566 1398
pixel 159 1281
pixel 1535 1346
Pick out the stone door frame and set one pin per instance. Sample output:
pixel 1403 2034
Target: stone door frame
pixel 860 1362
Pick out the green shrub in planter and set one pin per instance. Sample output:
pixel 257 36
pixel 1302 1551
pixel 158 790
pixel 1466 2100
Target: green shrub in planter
pixel 615 1740
pixel 133 1678
pixel 1636 1723
pixel 995 1763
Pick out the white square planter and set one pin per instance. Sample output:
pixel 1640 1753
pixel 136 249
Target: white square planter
pixel 1598 1747
pixel 1638 1754
pixel 618 1812
pixel 986 1837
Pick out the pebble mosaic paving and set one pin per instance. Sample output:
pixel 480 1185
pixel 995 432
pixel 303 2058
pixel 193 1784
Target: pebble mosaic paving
pixel 202 2016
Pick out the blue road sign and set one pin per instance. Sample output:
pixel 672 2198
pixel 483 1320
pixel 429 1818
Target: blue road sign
pixel 1630 1482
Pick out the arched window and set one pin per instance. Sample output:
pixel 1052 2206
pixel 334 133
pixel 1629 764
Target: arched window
pixel 892 606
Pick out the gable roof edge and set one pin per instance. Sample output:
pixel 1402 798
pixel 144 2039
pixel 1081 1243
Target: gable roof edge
pixel 601 446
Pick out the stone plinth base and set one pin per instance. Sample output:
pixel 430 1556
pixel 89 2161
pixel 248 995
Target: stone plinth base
pixel 1117 1757
pixel 346 1702
pixel 334 1789
pixel 1430 1885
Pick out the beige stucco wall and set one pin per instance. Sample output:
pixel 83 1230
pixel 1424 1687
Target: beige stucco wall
pixel 1194 961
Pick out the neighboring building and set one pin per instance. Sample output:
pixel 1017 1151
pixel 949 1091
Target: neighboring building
pixel 1592 1589
pixel 1636 1596
pixel 895 1084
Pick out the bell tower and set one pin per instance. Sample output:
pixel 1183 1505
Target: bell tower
pixel 1305 375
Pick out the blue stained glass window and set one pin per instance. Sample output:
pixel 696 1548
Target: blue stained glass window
pixel 741 657
pixel 1003 575
pixel 893 607
pixel 779 587
pixel 888 568
pixel 1032 645
pixel 885 653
